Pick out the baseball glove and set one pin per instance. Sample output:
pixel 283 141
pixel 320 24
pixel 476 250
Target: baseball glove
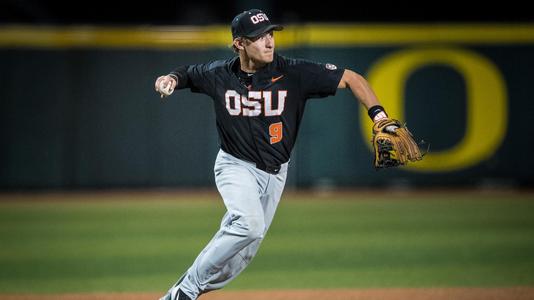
pixel 393 144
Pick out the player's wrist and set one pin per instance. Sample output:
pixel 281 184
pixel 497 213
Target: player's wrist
pixel 377 112
pixel 181 77
pixel 174 77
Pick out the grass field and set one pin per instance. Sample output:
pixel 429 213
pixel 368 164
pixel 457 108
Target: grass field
pixel 141 242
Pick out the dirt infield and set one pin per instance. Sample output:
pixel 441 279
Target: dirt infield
pixel 516 293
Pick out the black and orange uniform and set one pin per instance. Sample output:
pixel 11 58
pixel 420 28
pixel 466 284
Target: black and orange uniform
pixel 258 115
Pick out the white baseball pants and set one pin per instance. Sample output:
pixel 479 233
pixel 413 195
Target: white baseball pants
pixel 251 197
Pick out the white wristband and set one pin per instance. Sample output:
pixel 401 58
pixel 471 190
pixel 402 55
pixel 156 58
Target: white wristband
pixel 379 116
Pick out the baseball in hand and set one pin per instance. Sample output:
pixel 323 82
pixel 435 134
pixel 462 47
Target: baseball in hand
pixel 165 88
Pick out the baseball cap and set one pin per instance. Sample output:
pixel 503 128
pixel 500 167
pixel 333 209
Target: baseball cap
pixel 252 23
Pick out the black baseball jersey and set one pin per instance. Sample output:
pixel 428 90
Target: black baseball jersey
pixel 258 117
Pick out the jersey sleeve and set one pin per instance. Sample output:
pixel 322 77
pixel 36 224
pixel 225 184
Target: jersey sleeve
pixel 195 77
pixel 319 80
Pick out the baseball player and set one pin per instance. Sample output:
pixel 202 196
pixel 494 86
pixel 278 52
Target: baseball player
pixel 259 99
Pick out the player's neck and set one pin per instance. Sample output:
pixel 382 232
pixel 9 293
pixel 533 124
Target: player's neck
pixel 249 65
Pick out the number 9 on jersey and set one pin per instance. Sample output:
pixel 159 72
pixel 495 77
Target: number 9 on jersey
pixel 275 131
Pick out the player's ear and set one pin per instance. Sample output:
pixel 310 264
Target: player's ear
pixel 238 43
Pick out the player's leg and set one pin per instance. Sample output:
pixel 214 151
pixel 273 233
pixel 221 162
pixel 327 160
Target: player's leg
pixel 270 197
pixel 243 224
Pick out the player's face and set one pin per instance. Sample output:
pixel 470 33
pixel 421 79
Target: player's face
pixel 261 48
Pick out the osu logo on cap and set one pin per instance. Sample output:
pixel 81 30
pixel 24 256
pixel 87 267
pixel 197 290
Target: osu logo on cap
pixel 259 18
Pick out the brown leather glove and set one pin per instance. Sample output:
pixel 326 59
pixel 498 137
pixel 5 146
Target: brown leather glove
pixel 394 144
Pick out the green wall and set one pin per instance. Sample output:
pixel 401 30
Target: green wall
pixel 89 117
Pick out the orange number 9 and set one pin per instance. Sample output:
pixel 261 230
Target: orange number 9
pixel 275 131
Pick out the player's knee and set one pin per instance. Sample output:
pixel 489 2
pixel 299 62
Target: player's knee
pixel 254 227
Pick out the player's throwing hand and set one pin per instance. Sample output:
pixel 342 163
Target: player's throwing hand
pixel 165 85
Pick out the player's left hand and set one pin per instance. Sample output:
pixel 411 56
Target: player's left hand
pixel 394 144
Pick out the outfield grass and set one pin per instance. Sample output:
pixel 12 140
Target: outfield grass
pixel 343 241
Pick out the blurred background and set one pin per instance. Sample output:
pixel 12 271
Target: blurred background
pixel 78 108
pixel 202 12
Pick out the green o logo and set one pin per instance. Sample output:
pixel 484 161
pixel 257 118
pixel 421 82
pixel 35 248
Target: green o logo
pixel 486 103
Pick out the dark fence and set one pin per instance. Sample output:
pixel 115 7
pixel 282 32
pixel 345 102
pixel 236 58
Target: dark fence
pixel 76 117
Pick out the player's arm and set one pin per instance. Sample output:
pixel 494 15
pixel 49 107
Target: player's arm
pixel 177 79
pixel 363 92
pixel 195 77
